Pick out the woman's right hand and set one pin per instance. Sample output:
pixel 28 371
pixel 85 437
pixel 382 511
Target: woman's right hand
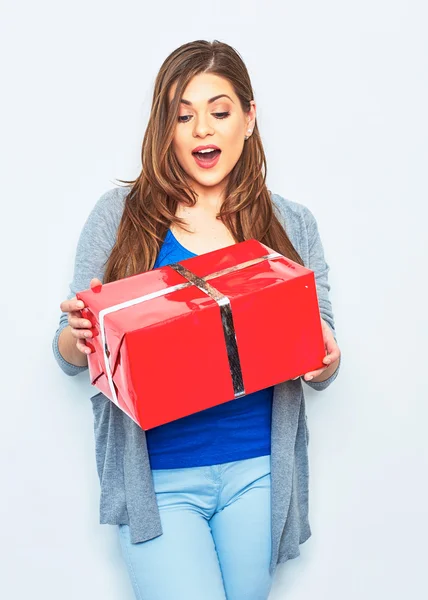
pixel 80 328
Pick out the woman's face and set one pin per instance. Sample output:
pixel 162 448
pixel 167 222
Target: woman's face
pixel 208 120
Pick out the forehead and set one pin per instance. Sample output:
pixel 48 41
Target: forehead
pixel 204 86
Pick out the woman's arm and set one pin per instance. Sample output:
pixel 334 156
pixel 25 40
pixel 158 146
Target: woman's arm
pixel 93 249
pixel 318 264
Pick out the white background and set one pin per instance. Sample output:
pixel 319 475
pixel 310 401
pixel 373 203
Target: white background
pixel 341 90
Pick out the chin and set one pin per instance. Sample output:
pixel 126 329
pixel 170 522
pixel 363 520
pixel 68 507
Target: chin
pixel 209 180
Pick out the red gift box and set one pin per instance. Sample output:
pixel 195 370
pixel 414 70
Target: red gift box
pixel 184 337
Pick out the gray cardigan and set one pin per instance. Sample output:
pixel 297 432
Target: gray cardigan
pixel 127 493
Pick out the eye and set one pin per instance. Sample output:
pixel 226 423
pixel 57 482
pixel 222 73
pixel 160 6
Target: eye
pixel 219 115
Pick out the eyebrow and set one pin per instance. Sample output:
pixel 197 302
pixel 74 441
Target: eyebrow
pixel 213 99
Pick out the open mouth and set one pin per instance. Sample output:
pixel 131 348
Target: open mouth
pixel 207 158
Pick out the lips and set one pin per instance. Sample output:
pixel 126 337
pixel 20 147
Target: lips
pixel 207 160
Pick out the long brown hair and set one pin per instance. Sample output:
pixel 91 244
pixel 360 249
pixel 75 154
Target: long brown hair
pixel 152 201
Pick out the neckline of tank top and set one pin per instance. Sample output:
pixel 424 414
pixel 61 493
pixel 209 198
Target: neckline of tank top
pixel 177 243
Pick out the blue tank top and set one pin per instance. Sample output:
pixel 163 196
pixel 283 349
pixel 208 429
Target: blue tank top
pixel 230 431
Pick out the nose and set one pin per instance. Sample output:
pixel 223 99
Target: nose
pixel 202 127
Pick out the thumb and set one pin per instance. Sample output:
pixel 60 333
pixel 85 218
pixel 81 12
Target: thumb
pixel 95 282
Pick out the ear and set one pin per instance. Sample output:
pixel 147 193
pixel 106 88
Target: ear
pixel 251 116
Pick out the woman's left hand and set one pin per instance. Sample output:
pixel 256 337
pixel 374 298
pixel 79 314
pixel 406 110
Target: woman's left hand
pixel 331 358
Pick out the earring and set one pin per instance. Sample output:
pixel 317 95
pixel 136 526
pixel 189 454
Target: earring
pixel 247 136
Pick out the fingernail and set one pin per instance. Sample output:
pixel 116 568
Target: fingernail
pixel 80 304
pixel 309 378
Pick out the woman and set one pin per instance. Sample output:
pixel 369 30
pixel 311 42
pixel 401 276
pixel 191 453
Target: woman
pixel 208 505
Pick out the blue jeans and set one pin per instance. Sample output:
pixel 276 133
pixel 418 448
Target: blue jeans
pixel 216 541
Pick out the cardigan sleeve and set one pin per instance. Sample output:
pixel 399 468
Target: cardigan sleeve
pixel 94 246
pixel 321 268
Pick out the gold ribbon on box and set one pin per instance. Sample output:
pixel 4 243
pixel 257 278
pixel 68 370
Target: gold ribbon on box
pixel 225 312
